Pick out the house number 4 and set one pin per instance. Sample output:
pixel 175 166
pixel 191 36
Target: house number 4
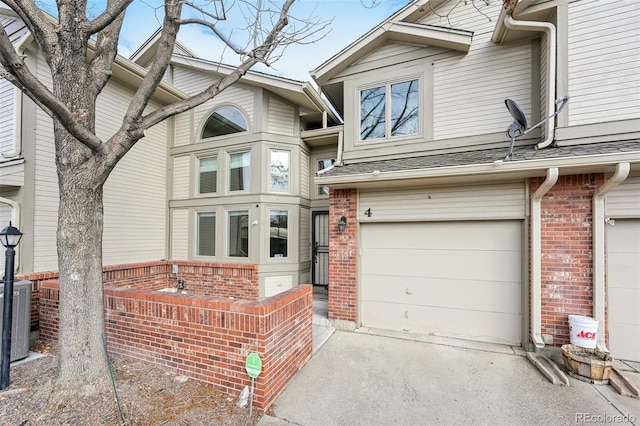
pixel 368 213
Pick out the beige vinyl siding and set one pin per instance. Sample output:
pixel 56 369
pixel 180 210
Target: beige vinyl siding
pixel 469 90
pixel 498 201
pixel 465 16
pixel 604 61
pixel 6 212
pixel 45 213
pixel 184 131
pixel 390 54
pixel 624 200
pixel 280 118
pixel 7 116
pixel 16 30
pixel 181 178
pixel 305 235
pixel 180 234
pixel 304 174
pixel 192 82
pixel 135 192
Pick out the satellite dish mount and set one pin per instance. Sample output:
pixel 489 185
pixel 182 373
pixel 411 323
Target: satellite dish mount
pixel 519 125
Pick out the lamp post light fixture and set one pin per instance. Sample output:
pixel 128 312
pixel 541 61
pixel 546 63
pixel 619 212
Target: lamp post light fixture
pixel 342 224
pixel 9 237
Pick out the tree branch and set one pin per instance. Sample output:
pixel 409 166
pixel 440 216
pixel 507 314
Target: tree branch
pixel 107 47
pixel 38 22
pixel 112 12
pixel 15 65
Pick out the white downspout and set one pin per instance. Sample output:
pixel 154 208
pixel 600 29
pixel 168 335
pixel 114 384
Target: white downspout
pixel 550 30
pixel 536 256
pixel 599 289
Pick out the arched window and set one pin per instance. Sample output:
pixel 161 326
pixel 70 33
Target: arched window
pixel 224 121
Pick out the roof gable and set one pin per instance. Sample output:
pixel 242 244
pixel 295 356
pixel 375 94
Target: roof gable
pixel 403 27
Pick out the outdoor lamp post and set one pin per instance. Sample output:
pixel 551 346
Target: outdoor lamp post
pixel 9 237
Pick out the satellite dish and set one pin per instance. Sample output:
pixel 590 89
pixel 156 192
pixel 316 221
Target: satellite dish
pixel 516 113
pixel 519 125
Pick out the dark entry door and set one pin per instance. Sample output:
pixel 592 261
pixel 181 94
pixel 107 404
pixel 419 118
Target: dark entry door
pixel 320 232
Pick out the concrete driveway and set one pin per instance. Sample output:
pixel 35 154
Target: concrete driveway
pixel 365 379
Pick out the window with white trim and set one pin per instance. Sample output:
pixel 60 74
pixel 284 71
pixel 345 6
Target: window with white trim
pixel 279 180
pixel 206 234
pixel 390 111
pixel 208 175
pixel 240 171
pixel 225 120
pixel 239 233
pixel 278 233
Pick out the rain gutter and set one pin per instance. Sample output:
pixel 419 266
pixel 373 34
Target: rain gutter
pixel 511 23
pixel 536 256
pixel 599 221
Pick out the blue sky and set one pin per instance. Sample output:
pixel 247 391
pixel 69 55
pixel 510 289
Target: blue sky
pixel 350 20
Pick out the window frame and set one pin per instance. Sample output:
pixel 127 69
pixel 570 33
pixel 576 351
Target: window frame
pixel 247 186
pixel 210 114
pixel 288 229
pixel 270 170
pixel 229 214
pixel 199 159
pixel 198 236
pixel 419 78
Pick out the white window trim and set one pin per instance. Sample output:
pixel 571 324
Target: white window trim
pixel 227 234
pixel 228 189
pixel 207 115
pixel 290 174
pixel 196 244
pixel 197 174
pixel 387 84
pixel 268 230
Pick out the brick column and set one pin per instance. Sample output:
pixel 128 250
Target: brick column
pixel 567 252
pixel 343 251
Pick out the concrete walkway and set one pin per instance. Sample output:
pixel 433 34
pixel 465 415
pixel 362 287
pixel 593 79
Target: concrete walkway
pixel 367 379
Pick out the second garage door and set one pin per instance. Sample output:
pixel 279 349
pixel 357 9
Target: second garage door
pixel 456 279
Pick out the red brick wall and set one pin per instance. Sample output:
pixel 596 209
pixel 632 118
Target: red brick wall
pixel 567 252
pixel 204 337
pixel 343 250
pixel 228 280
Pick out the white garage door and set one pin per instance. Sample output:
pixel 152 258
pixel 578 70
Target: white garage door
pixel 455 279
pixel 623 278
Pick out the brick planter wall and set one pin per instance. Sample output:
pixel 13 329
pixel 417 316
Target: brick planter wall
pixel 229 280
pixel 204 337
pixel 567 252
pixel 343 251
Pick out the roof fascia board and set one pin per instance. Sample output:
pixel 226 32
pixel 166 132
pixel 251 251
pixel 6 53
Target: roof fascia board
pixel 513 167
pixel 432 35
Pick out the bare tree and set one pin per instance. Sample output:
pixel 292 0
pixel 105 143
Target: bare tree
pixel 85 48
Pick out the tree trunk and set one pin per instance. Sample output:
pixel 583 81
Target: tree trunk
pixel 82 366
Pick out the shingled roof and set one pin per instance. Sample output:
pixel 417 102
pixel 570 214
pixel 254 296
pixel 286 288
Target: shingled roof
pixel 485 156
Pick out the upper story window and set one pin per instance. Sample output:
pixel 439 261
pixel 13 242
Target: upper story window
pixel 224 121
pixel 240 171
pixel 279 170
pixel 208 173
pixel 390 110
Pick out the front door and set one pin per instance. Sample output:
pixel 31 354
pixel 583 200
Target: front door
pixel 320 232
